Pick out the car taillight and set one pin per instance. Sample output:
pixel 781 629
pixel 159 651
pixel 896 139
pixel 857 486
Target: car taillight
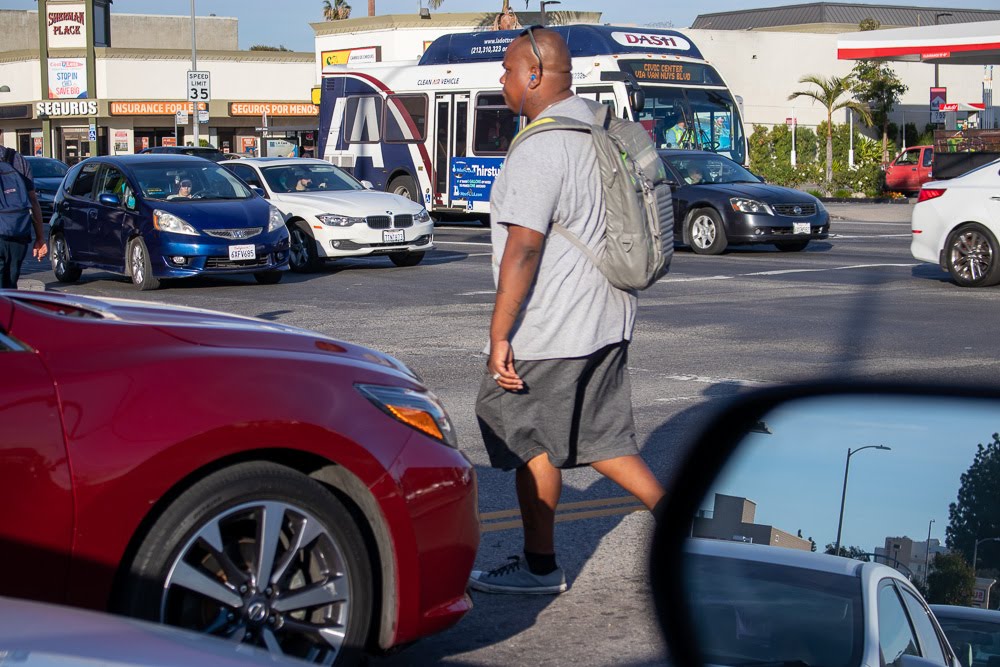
pixel 928 193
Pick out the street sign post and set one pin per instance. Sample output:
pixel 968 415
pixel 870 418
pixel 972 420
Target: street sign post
pixel 199 86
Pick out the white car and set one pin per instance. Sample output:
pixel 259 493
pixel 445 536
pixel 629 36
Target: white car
pixel 956 223
pixel 330 214
pixel 753 604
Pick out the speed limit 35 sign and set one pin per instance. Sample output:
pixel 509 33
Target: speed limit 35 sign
pixel 199 86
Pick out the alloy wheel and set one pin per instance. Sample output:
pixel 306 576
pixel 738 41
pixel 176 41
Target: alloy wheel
pixel 971 255
pixel 138 263
pixel 703 231
pixel 299 253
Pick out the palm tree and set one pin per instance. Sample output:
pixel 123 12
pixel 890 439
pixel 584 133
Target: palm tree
pixel 829 95
pixel 339 9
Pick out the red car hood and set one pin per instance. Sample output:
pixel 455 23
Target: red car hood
pixel 208 327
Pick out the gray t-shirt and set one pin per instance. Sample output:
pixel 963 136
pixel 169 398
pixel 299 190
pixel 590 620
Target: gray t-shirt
pixel 572 310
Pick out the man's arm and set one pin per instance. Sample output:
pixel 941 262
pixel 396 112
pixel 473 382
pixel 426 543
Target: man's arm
pixel 518 269
pixel 41 247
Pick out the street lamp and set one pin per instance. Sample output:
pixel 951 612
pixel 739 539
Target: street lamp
pixel 975 550
pixel 547 2
pixel 843 495
pixel 936 17
pixel 927 552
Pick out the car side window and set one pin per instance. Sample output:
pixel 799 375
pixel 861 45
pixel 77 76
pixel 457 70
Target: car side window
pixel 113 182
pixel 247 174
pixel 83 186
pixel 930 641
pixel 928 157
pixel 911 156
pixel 895 635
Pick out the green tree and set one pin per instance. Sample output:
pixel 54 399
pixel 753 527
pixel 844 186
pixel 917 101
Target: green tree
pixel 876 87
pixel 857 553
pixel 265 47
pixel 976 514
pixel 831 93
pixel 338 10
pixel 950 581
pixel 869 24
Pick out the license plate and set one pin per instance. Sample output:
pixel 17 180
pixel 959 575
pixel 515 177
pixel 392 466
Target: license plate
pixel 237 252
pixel 801 228
pixel 393 236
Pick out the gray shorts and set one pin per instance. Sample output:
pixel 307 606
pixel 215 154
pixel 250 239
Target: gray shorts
pixel 578 411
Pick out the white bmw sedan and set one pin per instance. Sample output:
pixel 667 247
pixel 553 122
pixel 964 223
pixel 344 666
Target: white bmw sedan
pixel 331 214
pixel 956 223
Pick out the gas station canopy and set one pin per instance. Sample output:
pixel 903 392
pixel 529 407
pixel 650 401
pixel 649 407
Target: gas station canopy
pixel 950 44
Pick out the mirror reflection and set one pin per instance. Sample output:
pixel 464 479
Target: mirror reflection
pixel 905 489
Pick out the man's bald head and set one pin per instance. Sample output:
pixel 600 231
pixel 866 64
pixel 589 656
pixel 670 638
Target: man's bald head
pixel 551 68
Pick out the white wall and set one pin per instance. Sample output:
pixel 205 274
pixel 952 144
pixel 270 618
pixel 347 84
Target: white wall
pixel 24 79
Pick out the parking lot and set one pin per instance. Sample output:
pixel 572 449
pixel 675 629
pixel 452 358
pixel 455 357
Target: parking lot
pixel 857 306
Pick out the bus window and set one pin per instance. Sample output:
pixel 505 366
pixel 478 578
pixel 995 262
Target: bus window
pixel 362 114
pixel 461 128
pixel 495 125
pixel 405 119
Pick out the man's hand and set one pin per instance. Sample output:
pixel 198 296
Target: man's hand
pixel 501 366
pixel 40 250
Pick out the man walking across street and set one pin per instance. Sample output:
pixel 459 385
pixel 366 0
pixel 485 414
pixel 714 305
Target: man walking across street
pixel 19 209
pixel 556 390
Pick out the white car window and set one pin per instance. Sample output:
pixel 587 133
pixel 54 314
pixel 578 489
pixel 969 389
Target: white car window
pixel 930 642
pixel 895 636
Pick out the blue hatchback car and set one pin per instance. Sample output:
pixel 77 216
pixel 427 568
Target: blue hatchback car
pixel 152 217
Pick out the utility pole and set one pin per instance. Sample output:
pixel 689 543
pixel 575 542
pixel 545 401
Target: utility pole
pixel 927 553
pixel 194 68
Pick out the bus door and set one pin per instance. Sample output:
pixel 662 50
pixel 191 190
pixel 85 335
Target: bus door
pixel 604 95
pixel 451 139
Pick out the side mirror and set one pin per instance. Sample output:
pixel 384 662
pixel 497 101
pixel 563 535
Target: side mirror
pixel 109 199
pixel 368 185
pixel 636 100
pixel 878 474
pixel 260 191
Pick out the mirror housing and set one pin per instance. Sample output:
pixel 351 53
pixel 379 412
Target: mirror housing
pixel 109 199
pixel 368 185
pixel 260 191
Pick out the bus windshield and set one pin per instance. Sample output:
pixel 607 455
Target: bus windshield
pixel 693 118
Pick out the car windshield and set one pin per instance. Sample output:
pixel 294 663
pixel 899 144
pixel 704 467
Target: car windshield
pixel 707 168
pixel 45 168
pixel 749 612
pixel 309 178
pixel 980 637
pixel 205 181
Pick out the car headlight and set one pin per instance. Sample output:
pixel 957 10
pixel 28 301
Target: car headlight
pixel 275 220
pixel 335 220
pixel 422 217
pixel 420 410
pixel 820 207
pixel 750 206
pixel 168 222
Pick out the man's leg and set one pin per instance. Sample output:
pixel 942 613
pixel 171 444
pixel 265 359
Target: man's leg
pixel 632 474
pixel 11 256
pixel 539 485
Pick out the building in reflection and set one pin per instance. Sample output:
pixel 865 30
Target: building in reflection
pixel 732 518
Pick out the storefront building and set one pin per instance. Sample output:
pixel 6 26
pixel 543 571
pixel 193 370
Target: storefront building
pixel 134 97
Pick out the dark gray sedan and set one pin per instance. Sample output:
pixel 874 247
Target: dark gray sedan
pixel 718 203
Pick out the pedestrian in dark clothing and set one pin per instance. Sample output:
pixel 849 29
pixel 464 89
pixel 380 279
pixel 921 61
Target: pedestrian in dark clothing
pixel 556 390
pixel 19 210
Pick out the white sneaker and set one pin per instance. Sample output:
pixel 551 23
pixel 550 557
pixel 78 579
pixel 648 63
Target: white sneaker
pixel 516 578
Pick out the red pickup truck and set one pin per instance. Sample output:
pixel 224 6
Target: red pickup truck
pixel 910 169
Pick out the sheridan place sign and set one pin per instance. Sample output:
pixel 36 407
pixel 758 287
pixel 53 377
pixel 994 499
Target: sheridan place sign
pixel 273 109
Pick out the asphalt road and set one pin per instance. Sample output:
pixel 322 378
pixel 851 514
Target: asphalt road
pixel 857 306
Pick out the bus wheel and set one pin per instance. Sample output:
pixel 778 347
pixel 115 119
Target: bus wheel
pixel 405 187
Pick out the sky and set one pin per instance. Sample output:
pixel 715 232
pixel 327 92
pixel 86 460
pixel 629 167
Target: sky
pixel 287 23
pixel 796 474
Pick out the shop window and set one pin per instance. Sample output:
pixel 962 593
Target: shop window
pixel 361 119
pixel 405 119
pixel 83 186
pixel 495 125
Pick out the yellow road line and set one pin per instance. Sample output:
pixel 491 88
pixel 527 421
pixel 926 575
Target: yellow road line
pixel 561 507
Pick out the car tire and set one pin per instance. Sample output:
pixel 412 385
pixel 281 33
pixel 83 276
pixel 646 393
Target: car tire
pixel 268 277
pixel 706 233
pixel 405 187
pixel 140 268
pixel 303 257
pixel 406 258
pixel 64 270
pixel 972 256
pixel 791 246
pixel 201 566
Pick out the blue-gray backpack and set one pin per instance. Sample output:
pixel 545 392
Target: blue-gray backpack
pixel 639 239
pixel 15 207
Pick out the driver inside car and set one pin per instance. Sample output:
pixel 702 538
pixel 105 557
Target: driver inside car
pixel 183 190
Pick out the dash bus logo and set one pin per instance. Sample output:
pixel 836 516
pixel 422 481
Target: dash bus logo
pixel 641 39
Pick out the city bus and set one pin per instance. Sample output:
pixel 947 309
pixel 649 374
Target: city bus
pixel 437 130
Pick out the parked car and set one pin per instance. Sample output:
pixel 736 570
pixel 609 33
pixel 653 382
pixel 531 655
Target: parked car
pixel 718 203
pixel 131 215
pixel 207 152
pixel 910 170
pixel 330 214
pixel 228 475
pixel 48 174
pixel 955 224
pixel 973 633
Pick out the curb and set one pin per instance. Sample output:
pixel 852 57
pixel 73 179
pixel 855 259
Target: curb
pixel 30 284
pixel 864 200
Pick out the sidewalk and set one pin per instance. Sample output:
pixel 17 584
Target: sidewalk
pixel 865 212
pixel 31 284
